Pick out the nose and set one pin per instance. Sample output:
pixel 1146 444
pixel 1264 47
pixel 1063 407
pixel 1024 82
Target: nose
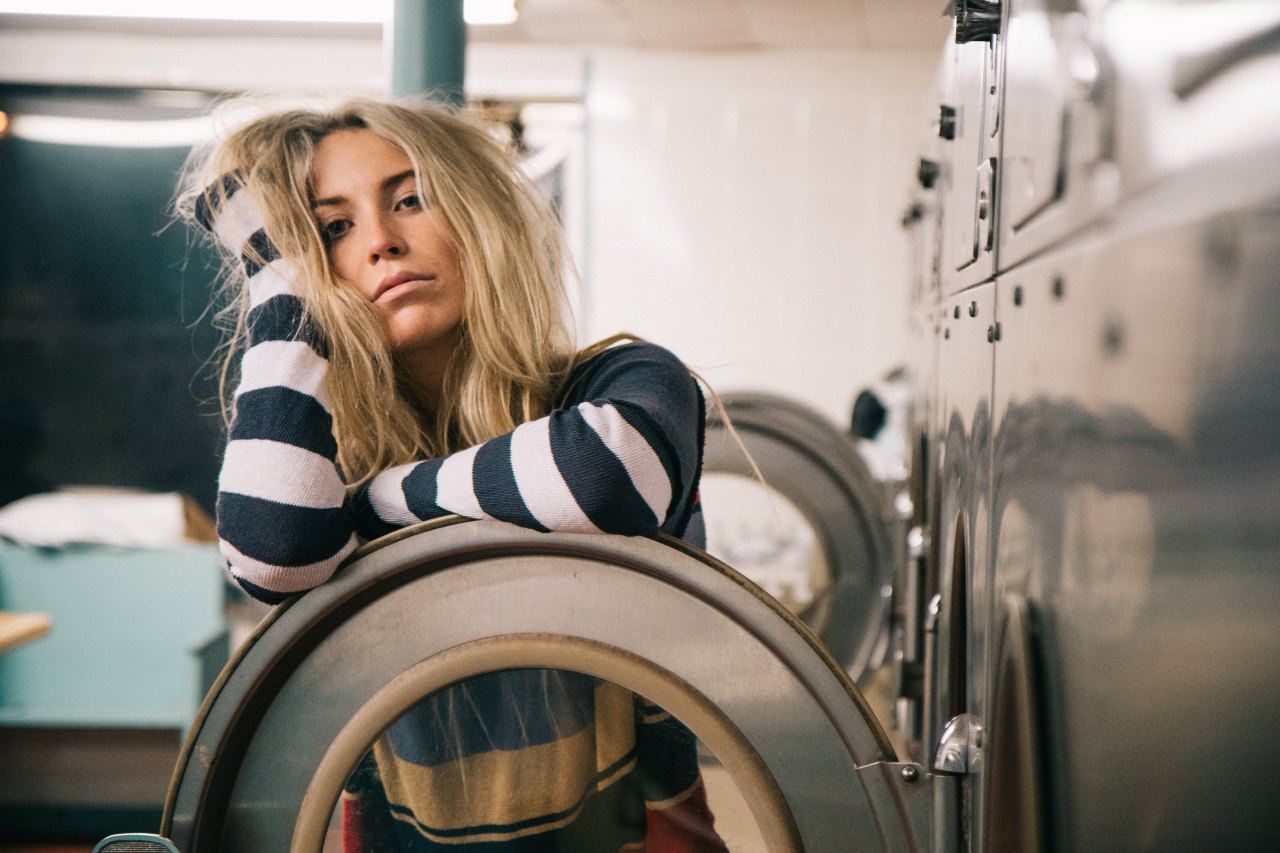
pixel 385 241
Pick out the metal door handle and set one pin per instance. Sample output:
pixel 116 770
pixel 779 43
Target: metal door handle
pixel 1193 71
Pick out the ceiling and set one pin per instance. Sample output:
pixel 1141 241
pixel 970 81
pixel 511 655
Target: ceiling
pixel 727 24
pixel 642 24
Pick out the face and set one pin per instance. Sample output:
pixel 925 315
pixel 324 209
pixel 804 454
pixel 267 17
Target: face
pixel 388 245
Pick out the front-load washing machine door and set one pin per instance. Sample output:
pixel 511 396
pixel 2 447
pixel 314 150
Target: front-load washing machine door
pixel 426 609
pixel 817 533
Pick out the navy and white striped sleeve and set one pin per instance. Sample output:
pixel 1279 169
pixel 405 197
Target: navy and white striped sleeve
pixel 281 515
pixel 620 461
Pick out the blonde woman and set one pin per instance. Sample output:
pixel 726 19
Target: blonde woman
pixel 399 302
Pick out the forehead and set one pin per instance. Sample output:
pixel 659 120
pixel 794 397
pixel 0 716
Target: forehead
pixel 355 160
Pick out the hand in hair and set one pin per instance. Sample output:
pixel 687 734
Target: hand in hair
pixel 281 516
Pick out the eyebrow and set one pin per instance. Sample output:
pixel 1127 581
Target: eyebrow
pixel 387 183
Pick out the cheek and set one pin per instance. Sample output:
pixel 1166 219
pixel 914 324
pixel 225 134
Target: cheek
pixel 345 266
pixel 340 261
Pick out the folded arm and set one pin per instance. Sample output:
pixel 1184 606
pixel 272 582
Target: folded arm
pixel 282 520
pixel 621 461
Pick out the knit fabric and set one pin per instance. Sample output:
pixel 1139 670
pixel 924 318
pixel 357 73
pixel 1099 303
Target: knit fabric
pixel 527 761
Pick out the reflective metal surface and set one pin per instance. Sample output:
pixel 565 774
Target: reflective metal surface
pixel 304 700
pixel 1124 483
pixel 1015 777
pixel 134 842
pixel 960 747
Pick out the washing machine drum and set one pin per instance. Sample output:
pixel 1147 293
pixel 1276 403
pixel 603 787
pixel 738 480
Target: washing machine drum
pixel 813 529
pixel 793 758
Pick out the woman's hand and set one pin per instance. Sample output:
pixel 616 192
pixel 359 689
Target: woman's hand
pixel 228 212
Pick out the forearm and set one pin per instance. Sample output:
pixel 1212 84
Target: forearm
pixel 282 520
pixel 584 470
pixel 281 516
pixel 607 465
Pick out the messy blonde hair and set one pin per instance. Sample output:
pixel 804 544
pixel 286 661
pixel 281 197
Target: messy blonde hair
pixel 516 346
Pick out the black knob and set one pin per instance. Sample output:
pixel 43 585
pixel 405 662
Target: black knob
pixel 947 122
pixel 928 173
pixel 977 20
pixel 869 415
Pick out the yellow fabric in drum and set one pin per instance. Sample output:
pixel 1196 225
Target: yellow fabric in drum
pixel 507 787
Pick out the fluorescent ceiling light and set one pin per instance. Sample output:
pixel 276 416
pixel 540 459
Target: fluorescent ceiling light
pixel 489 11
pixel 326 11
pixel 111 133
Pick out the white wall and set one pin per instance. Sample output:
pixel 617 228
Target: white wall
pixel 744 209
pixel 740 208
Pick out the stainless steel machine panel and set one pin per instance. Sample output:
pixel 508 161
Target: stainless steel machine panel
pixel 961 513
pixel 1191 83
pixel 1136 474
pixel 1119 591
pixel 1038 89
pixel 968 76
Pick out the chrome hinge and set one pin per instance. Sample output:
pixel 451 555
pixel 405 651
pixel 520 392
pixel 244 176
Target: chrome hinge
pixel 960 747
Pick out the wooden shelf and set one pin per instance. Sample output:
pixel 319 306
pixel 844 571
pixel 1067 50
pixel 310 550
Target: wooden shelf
pixel 19 628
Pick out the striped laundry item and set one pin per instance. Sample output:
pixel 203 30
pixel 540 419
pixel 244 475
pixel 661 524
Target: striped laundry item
pixel 530 761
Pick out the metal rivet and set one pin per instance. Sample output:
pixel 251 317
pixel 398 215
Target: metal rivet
pixel 1058 288
pixel 991 334
pixel 957 312
pixel 1017 295
pixel 910 773
pixel 947 334
pixel 973 309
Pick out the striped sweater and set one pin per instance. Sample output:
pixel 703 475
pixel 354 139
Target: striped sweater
pixel 621 454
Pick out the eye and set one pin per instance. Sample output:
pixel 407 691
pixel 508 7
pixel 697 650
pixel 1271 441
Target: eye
pixel 412 201
pixel 334 230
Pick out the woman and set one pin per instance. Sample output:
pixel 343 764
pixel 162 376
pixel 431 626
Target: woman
pixel 400 304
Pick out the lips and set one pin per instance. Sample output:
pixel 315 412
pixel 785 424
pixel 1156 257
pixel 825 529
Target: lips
pixel 389 285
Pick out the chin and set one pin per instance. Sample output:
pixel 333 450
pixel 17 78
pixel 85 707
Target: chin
pixel 428 343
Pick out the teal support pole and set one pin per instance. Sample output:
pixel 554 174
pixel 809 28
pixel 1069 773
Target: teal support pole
pixel 429 49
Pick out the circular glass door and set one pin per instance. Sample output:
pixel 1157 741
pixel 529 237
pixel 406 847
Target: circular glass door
pixel 812 529
pixel 432 609
pixel 574 760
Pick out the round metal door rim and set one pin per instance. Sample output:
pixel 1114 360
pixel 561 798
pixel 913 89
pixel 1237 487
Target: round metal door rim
pixel 804 457
pixel 326 653
pixel 756 785
pixel 1015 769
